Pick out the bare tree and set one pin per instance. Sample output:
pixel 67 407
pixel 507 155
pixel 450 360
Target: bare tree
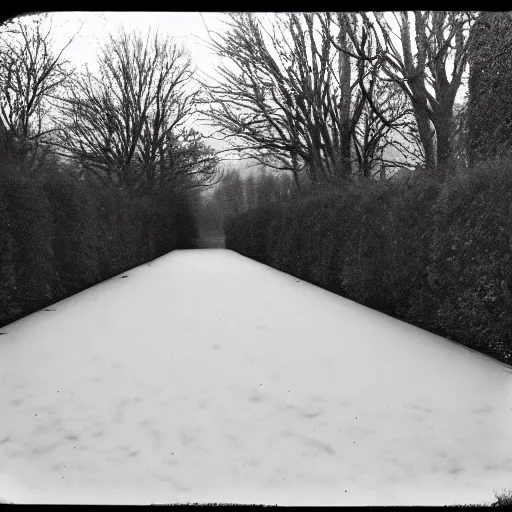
pixel 188 162
pixel 418 58
pixel 381 147
pixel 266 187
pixel 230 193
pixel 262 187
pixel 386 135
pixel 31 71
pixel 128 124
pixel 286 97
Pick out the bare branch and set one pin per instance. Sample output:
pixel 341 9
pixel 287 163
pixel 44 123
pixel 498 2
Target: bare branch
pixel 130 121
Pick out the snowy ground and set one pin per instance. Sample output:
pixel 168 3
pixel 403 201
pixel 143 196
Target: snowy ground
pixel 207 377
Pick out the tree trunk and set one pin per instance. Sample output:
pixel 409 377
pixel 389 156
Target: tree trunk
pixel 346 156
pixel 295 171
pixel 443 125
pixel 345 97
pixel 427 135
pixel 365 168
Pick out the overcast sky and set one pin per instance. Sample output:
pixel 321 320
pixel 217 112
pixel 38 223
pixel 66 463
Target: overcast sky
pixel 90 30
pixel 93 28
pixel 187 27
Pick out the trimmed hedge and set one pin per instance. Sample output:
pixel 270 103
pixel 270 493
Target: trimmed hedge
pixel 250 239
pixel 31 256
pixel 60 235
pixel 439 257
pixel 470 268
pixel 74 234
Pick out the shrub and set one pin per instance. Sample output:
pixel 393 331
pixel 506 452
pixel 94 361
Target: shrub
pixel 364 251
pixel 7 262
pixel 436 256
pixel 247 233
pixel 75 226
pixel 60 234
pixel 283 249
pixel 409 235
pixel 471 259
pixel 31 230
pixel 186 223
pixel 164 227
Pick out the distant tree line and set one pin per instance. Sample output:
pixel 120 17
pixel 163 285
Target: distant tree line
pixel 434 248
pixel 235 193
pixel 100 168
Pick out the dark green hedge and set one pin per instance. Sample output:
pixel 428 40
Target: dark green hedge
pixel 437 257
pixel 60 235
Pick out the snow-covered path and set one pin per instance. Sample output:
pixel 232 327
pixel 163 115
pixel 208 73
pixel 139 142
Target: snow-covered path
pixel 207 377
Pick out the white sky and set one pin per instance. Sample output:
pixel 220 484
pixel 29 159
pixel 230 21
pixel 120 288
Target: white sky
pixel 187 27
pixel 92 28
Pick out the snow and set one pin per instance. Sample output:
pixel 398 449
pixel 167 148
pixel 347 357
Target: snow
pixel 207 377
